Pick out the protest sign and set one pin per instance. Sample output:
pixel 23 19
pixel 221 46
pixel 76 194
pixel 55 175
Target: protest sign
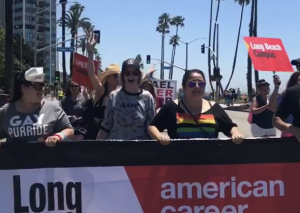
pixel 165 89
pixel 80 75
pixel 268 54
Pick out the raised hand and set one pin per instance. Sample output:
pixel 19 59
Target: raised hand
pixel 90 41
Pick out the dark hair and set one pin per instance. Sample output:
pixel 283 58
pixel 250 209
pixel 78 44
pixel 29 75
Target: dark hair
pixel 188 74
pixel 293 80
pixel 262 83
pixel 17 85
pixel 151 89
pixel 67 89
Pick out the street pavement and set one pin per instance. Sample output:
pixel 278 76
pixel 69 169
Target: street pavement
pixel 240 118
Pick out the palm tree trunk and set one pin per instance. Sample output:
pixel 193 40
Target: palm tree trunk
pixel 162 56
pixel 71 54
pixel 63 16
pixel 215 29
pixel 209 43
pixel 237 46
pixel 172 62
pixel 256 73
pixel 249 61
pixel 9 47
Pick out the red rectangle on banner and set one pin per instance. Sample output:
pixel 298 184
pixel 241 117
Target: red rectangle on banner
pixel 250 188
pixel 268 54
pixel 80 75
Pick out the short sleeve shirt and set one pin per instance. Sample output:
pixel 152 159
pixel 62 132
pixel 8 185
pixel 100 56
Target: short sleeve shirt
pixel 45 121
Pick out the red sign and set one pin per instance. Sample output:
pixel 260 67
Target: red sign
pixel 80 75
pixel 268 54
pixel 249 188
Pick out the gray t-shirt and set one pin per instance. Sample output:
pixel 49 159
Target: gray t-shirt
pixel 128 115
pixel 45 121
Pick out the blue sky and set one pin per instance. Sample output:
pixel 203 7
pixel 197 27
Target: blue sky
pixel 128 28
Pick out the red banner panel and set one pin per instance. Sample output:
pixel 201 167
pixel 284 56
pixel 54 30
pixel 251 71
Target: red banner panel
pixel 268 54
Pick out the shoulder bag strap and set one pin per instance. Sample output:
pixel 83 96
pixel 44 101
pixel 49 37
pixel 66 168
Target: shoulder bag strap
pixel 187 109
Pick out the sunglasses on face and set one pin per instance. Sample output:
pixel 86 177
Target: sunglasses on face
pixel 37 86
pixel 134 73
pixel 115 75
pixel 193 84
pixel 74 86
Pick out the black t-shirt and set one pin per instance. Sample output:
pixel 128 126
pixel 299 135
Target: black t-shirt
pixel 181 125
pixel 290 105
pixel 264 119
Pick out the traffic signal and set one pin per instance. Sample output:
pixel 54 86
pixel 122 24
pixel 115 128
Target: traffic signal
pixel 148 59
pixel 97 36
pixel 203 48
pixel 57 75
pixel 216 72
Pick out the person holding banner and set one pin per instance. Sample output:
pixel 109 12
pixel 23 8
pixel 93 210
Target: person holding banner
pixel 192 116
pixel 27 117
pixel 130 109
pixel 106 82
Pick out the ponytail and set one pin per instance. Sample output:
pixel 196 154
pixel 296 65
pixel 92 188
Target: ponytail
pixel 16 89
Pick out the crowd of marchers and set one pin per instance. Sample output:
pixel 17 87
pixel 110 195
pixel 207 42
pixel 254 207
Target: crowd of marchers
pixel 123 106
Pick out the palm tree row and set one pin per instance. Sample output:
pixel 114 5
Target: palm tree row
pixel 74 21
pixel 252 32
pixel 163 27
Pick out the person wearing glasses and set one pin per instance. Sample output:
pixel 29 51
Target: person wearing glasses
pixel 27 117
pixel 192 116
pixel 130 109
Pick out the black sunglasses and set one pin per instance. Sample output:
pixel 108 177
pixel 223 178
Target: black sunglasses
pixel 193 84
pixel 134 73
pixel 74 86
pixel 38 86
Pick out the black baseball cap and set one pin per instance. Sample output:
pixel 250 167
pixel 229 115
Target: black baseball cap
pixel 130 63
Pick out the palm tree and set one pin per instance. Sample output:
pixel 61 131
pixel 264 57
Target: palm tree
pixel 215 29
pixel 209 44
pixel 174 41
pixel 241 3
pixel 63 29
pixel 256 73
pixel 177 21
pixel 163 28
pixel 9 46
pixel 249 61
pixel 138 58
pixel 73 22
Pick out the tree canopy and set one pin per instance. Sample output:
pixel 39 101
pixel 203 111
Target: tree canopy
pixel 27 55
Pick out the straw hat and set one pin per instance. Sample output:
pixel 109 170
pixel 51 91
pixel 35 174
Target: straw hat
pixel 111 69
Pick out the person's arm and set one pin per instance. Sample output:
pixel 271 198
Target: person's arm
pixel 160 122
pixel 284 109
pixel 225 124
pixel 274 95
pixel 63 125
pixel 99 88
pixel 108 118
pixel 151 110
pixel 255 110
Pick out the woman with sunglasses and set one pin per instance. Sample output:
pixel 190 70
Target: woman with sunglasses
pixel 27 117
pixel 106 82
pixel 130 109
pixel 192 116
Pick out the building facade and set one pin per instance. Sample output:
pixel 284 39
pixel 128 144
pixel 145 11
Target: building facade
pixel 2 13
pixel 38 30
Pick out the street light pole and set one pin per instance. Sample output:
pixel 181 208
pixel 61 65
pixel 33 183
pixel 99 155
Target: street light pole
pixel 186 55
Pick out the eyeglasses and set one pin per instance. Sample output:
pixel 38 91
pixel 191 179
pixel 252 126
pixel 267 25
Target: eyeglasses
pixel 72 86
pixel 193 84
pixel 115 75
pixel 38 86
pixel 134 73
